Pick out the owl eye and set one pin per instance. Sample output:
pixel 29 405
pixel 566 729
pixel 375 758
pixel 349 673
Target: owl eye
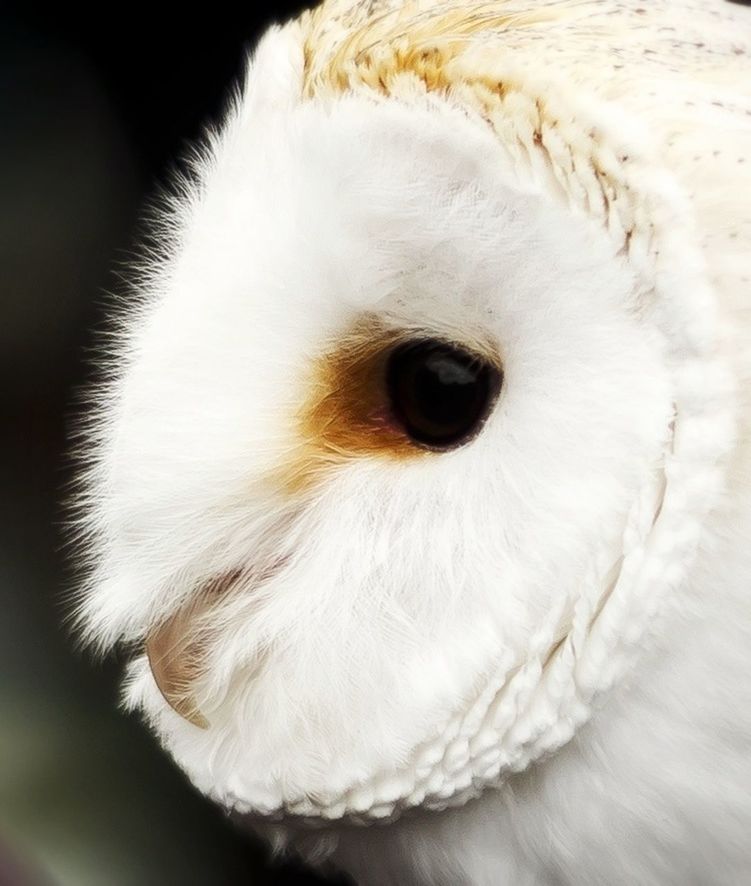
pixel 441 394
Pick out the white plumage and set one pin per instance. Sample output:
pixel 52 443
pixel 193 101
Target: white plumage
pixel 524 659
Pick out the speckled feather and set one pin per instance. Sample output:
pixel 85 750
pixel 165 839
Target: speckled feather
pixel 681 67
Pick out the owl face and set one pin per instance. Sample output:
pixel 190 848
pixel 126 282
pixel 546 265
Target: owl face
pixel 368 454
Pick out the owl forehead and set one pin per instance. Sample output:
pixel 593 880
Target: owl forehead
pixel 356 207
pixel 368 188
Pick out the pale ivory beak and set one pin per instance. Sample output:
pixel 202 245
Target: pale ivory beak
pixel 177 647
pixel 174 652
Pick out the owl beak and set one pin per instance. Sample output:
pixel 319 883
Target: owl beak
pixel 175 653
pixel 177 647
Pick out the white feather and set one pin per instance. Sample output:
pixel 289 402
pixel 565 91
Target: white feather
pixel 575 580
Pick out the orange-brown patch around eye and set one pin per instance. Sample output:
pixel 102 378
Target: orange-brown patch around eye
pixel 347 413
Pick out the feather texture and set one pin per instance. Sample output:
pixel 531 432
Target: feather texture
pixel 524 660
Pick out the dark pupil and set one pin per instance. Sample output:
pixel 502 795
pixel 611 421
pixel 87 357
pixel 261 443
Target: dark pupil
pixel 441 394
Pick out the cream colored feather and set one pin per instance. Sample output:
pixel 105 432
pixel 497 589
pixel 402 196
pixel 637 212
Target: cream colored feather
pixel 523 659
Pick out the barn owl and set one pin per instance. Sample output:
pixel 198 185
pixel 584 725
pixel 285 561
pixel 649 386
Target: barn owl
pixel 419 485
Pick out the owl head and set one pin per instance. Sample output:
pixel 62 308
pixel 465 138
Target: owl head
pixel 398 459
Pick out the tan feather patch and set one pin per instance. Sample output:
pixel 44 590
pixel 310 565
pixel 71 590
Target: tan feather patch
pixel 348 414
pixel 436 48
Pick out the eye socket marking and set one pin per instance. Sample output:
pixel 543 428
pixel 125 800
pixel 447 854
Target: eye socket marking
pixel 440 393
pixel 389 393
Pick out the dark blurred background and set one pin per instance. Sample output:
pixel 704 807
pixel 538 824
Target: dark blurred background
pixel 94 109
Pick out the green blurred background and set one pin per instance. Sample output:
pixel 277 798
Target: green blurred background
pixel 94 107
